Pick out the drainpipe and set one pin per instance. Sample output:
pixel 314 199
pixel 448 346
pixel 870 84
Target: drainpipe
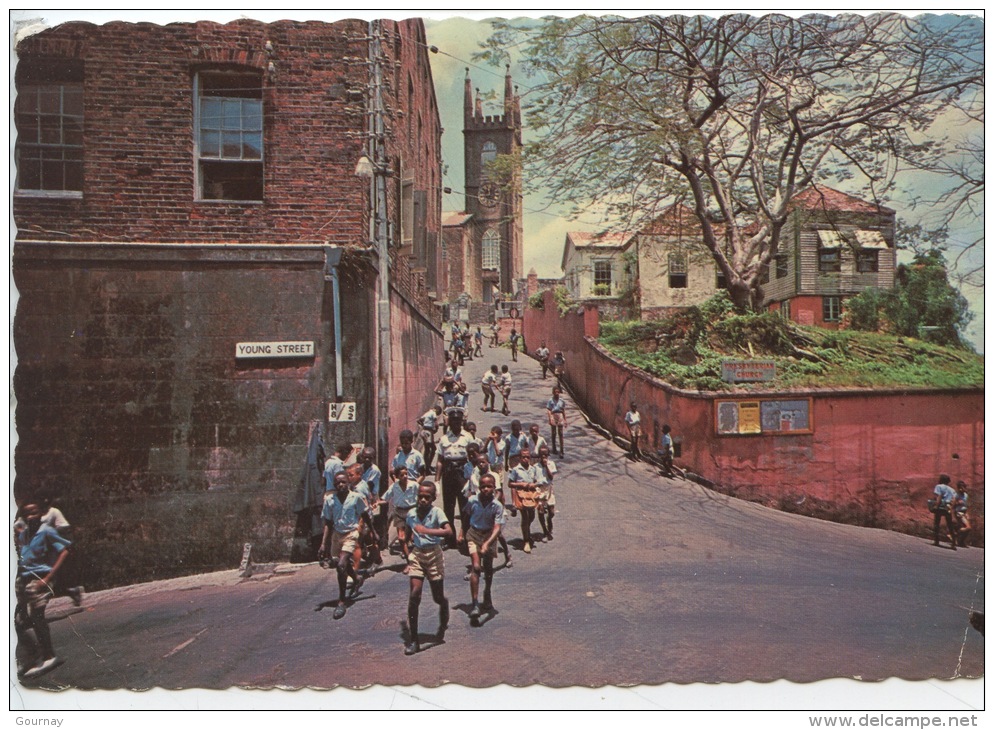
pixel 332 257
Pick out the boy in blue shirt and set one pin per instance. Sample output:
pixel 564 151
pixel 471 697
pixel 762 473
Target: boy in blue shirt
pixel 41 553
pixel 428 528
pixel 485 518
pixel 342 512
pixel 402 497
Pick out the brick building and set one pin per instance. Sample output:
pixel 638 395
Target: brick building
pixel 188 195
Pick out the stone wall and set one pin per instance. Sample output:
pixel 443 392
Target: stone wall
pixel 872 458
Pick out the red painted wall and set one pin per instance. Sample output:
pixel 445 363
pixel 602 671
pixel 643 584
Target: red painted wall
pixel 873 455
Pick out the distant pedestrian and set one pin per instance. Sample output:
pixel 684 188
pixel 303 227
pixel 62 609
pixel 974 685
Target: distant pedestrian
pixel 513 339
pixel 960 516
pixel 453 371
pixel 485 517
pixel 633 420
pixel 427 528
pixel 489 383
pixel 545 473
pixel 494 334
pixel 558 366
pixel 542 355
pixel 41 553
pixel 945 496
pixel 478 342
pixel 666 452
pixel 429 423
pixel 505 388
pixel 556 408
pixel 343 510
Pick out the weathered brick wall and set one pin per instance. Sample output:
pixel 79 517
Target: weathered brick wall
pixel 132 408
pixel 129 398
pixel 873 457
pixel 139 140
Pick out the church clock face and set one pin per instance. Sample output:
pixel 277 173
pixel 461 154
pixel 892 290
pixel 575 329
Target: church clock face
pixel 489 194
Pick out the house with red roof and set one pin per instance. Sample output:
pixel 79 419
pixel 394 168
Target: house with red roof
pixel 834 246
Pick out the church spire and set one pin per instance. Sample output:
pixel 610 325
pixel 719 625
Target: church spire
pixel 508 95
pixel 467 102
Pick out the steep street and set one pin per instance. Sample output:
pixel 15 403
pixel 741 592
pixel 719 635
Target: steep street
pixel 649 580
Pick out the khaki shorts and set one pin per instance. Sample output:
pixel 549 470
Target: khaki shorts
pixel 557 419
pixel 399 519
pixel 344 543
pixel 475 539
pixel 636 430
pixel 427 563
pixel 32 594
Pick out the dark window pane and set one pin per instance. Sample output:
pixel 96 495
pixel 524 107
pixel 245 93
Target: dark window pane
pixel 50 100
pixel 252 146
pixel 51 175
pixel 51 130
pixel 74 175
pixel 28 171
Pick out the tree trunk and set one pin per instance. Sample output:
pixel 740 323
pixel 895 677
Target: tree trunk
pixel 741 295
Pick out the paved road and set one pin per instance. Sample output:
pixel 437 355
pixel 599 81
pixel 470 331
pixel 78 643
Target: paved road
pixel 648 581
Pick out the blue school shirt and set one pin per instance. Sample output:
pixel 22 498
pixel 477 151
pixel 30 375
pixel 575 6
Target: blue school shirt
pixel 401 498
pixel 414 461
pixel 38 553
pixel 372 477
pixel 343 516
pixel 556 406
pixel 495 455
pixel 434 519
pixel 484 516
pixel 513 444
pixel 331 467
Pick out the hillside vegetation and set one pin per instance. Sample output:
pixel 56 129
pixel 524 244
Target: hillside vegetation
pixel 687 349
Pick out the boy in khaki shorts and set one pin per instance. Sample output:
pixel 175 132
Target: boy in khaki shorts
pixel 428 527
pixel 485 518
pixel 342 511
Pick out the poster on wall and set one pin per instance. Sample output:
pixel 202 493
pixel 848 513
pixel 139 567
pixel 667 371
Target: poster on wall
pixel 728 417
pixel 749 417
pixel 786 415
pixel 763 416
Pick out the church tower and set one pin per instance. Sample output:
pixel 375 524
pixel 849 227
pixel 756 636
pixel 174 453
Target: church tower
pixel 494 203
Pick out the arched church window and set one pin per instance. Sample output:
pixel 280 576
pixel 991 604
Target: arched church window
pixel 491 249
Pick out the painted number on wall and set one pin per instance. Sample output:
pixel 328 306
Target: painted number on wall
pixel 341 412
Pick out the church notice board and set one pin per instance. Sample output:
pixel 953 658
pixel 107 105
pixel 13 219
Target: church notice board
pixel 763 416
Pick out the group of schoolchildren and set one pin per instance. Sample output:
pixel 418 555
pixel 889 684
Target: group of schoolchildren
pixel 472 471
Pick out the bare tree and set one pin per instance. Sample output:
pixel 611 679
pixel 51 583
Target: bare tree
pixel 734 115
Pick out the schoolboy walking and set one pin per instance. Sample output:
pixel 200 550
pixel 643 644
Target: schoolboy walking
pixel 427 528
pixel 485 513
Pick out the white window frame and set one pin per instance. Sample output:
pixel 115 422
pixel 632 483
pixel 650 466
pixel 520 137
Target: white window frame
pixel 242 130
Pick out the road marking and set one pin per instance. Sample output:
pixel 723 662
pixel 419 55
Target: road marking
pixel 184 644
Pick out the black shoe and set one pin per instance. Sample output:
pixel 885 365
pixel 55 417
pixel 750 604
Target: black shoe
pixel 339 611
pixel 548 536
pixel 411 648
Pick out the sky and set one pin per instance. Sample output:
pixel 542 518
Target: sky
pixel 457 35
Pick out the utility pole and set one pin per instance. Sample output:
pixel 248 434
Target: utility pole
pixel 381 232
